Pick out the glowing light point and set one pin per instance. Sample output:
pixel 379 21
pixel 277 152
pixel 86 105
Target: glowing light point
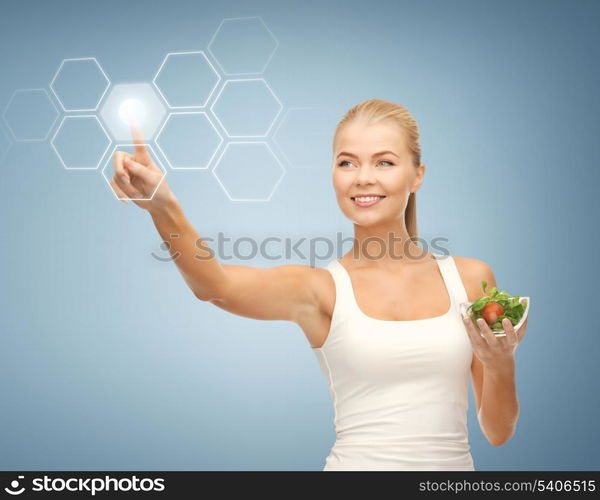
pixel 136 102
pixel 132 111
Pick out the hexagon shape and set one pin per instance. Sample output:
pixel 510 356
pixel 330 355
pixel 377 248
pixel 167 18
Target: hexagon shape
pixel 248 171
pixel 129 103
pixel 108 168
pixel 188 140
pixel 246 107
pixel 79 84
pixel 186 79
pixel 30 115
pixel 304 136
pixel 80 142
pixel 243 45
pixel 5 144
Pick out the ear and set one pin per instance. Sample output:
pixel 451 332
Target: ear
pixel 420 175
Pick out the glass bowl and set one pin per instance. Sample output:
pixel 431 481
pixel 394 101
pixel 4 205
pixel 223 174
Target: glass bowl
pixel 499 333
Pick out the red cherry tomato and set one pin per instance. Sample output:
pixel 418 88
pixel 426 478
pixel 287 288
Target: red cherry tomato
pixel 491 311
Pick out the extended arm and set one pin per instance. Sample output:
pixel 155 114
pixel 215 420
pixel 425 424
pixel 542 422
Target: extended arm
pixel 281 292
pixel 288 292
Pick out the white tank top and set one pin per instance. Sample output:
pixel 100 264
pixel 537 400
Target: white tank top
pixel 399 388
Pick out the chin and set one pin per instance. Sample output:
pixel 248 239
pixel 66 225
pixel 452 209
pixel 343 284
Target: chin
pixel 366 220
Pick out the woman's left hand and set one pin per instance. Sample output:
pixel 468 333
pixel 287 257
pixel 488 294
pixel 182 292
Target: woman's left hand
pixel 495 351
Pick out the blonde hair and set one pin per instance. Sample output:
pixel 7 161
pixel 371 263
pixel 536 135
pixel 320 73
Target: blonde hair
pixel 375 111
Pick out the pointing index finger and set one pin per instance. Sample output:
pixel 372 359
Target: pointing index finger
pixel 139 143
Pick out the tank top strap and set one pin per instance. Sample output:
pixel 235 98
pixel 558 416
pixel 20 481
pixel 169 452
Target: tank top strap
pixel 344 295
pixel 452 278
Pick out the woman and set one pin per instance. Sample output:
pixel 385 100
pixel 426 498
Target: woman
pixel 383 321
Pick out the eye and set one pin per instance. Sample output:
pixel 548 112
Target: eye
pixel 341 163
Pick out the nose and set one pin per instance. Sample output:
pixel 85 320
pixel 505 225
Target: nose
pixel 365 174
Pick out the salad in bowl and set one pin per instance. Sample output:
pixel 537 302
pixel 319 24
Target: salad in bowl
pixel 494 306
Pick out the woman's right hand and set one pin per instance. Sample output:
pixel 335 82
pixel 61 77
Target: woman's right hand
pixel 137 177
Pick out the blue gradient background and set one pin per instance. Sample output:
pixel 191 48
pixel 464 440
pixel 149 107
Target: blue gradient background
pixel 107 360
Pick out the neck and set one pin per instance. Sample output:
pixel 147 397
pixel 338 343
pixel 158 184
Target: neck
pixel 385 245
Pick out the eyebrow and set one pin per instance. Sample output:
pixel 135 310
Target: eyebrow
pixel 376 154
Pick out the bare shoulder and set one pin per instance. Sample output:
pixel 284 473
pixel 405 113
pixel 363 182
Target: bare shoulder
pixel 319 292
pixel 473 272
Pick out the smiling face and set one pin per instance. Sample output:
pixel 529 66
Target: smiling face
pixel 359 169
